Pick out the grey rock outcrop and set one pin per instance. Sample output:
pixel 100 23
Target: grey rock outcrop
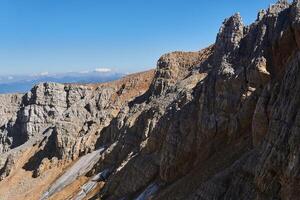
pixel 226 136
pixel 63 119
pixel 221 123
pixel 9 105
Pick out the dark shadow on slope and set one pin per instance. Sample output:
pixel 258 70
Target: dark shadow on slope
pixel 15 132
pixel 48 151
pixel 140 99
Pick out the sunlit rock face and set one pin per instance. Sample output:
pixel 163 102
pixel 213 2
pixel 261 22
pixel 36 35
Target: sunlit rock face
pixel 220 123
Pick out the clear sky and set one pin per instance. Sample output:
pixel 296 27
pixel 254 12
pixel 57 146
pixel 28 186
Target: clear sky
pixel 126 35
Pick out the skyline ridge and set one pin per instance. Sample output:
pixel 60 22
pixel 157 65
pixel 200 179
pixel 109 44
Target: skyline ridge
pixel 58 36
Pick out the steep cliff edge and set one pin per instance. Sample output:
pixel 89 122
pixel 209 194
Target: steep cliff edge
pixel 221 123
pixel 46 130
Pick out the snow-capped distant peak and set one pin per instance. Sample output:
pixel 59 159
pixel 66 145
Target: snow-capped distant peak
pixel 102 70
pixel 44 74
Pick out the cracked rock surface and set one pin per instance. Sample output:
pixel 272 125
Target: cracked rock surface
pixel 220 123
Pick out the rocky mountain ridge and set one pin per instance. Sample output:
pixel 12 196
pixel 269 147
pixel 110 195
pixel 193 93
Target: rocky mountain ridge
pixel 221 123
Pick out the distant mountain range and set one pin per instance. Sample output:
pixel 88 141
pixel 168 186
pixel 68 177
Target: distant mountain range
pixel 23 83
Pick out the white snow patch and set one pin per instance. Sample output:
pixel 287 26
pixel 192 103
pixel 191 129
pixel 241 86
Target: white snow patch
pixel 102 70
pixel 44 74
pixel 82 166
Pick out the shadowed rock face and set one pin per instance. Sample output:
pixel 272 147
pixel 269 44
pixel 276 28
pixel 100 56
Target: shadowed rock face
pixel 63 121
pixel 220 123
pixel 9 105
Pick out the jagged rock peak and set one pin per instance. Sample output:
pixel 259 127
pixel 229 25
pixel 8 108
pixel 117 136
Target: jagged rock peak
pixel 295 12
pixel 282 2
pixel 261 14
pixel 296 2
pixel 221 123
pixel 273 9
pixel 230 34
pixel 276 8
pixel 175 66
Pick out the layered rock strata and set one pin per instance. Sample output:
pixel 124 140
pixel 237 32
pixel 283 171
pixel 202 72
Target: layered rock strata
pixel 221 123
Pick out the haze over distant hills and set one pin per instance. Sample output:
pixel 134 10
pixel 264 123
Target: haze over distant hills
pixel 23 83
pixel 222 123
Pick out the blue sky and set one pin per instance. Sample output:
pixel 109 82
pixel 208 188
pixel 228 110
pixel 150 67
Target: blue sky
pixel 125 35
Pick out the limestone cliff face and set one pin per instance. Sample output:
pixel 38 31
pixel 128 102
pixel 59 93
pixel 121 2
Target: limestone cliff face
pixel 220 123
pixel 9 105
pixel 54 124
